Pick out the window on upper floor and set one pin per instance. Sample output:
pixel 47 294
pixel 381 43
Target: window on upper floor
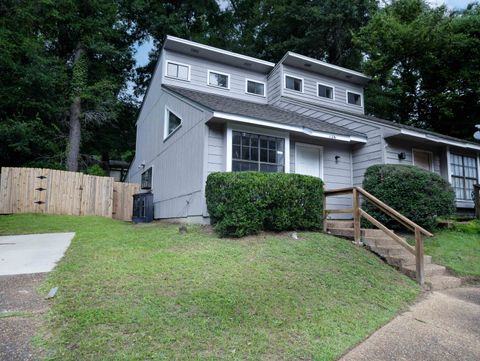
pixel 220 80
pixel 255 152
pixel 354 98
pixel 293 83
pixel 255 87
pixel 172 123
pixel 177 70
pixel 325 91
pixel 146 182
pixel 464 175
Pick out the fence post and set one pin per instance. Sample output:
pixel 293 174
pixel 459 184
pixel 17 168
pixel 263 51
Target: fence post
pixel 356 216
pixel 419 259
pixel 324 213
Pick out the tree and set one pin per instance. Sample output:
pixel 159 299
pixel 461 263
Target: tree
pixel 320 29
pixel 425 64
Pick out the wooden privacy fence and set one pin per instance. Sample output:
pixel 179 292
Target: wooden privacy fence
pixel 38 190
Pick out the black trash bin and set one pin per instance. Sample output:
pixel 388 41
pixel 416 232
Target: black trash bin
pixel 142 207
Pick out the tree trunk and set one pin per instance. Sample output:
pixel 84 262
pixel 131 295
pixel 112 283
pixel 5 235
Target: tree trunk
pixel 75 133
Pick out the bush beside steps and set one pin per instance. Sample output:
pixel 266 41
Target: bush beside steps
pixel 418 194
pixel 243 203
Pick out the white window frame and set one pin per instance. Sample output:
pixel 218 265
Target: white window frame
pixel 216 86
pixel 307 145
pixel 259 82
pixel 353 92
pixel 327 85
pixel 177 63
pixel 295 77
pixel 430 153
pixel 269 133
pixel 450 172
pixel 167 135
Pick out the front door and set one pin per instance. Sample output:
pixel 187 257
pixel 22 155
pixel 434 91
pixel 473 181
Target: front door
pixel 308 160
pixel 423 159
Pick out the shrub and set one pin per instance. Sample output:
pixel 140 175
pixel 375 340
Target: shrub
pixel 242 203
pixel 418 194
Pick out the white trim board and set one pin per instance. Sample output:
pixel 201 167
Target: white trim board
pixel 292 128
pixel 438 139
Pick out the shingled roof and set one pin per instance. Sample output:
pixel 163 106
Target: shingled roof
pixel 260 111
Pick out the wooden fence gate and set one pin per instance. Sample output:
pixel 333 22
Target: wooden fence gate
pixel 38 190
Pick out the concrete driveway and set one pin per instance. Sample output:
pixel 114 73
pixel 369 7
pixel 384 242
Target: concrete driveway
pixel 32 253
pixel 24 261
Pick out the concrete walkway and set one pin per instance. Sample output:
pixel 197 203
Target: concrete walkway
pixel 32 253
pixel 444 326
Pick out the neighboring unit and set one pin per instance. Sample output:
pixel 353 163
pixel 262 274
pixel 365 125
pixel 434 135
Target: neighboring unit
pixel 209 110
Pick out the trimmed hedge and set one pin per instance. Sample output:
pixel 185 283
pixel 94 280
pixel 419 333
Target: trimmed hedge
pixel 243 203
pixel 418 194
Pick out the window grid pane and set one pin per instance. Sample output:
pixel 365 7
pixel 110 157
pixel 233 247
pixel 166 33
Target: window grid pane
pixel 293 83
pixel 252 152
pixel 255 88
pixel 464 175
pixel 173 122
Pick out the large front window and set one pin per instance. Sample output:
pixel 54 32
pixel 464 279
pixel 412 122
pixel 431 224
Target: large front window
pixel 253 152
pixel 464 175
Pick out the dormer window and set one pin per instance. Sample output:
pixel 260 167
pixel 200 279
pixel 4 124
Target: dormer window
pixel 325 91
pixel 294 83
pixel 354 98
pixel 219 80
pixel 177 70
pixel 255 87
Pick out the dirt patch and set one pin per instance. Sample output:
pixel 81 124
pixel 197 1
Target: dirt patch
pixel 21 311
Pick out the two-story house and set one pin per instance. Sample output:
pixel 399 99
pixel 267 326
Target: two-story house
pixel 209 110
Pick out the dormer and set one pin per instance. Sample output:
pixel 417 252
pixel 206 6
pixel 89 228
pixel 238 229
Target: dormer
pixel 196 66
pixel 301 78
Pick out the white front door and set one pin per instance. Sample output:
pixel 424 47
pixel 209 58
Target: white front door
pixel 308 160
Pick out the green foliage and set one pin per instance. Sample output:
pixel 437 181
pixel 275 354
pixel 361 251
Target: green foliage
pixel 425 66
pixel 419 195
pixel 242 203
pixel 96 170
pixel 472 227
pixel 147 292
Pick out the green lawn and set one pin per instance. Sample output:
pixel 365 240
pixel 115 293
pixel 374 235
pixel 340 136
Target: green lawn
pixel 145 292
pixel 458 249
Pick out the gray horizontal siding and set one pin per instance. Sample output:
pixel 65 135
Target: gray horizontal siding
pixel 363 155
pixel 274 85
pixel 199 73
pixel 178 161
pixel 310 89
pixel 394 147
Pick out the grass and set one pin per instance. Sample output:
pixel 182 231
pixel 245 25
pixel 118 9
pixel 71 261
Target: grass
pixel 145 292
pixel 458 249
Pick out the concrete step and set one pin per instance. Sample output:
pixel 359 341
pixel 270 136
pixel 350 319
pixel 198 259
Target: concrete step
pixel 383 241
pixel 388 250
pixel 343 232
pixel 365 233
pixel 442 282
pixel 406 260
pixel 430 270
pixel 335 223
